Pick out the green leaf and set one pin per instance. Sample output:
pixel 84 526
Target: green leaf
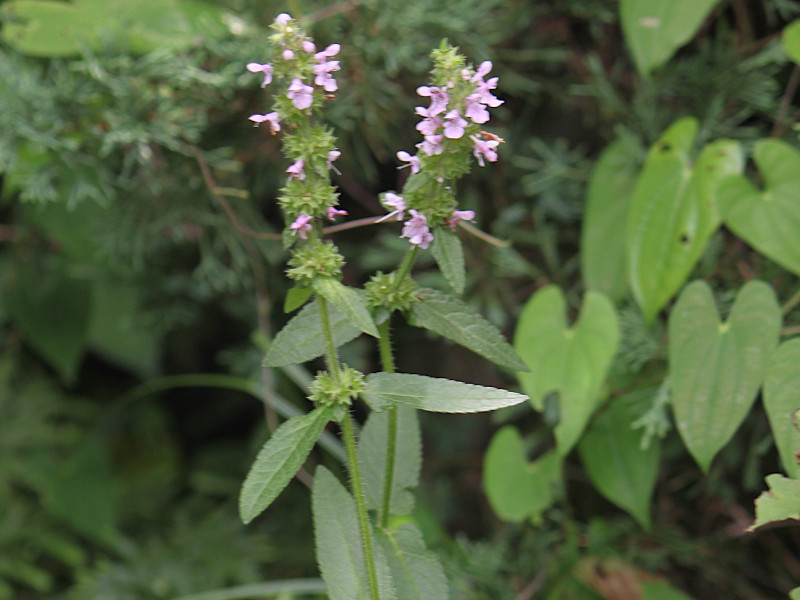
pixel 572 361
pixel 673 213
pixel 611 186
pixel 768 220
pixel 791 41
pixel 416 571
pixel 782 400
pixel 349 302
pixel 434 394
pixel 407 464
pixel 449 255
pixel 338 541
pixel 781 502
pixel 655 29
pixel 716 368
pixel 301 338
pixel 279 459
pixel 517 489
pixel 296 297
pixel 453 319
pixel 659 590
pixel 619 468
pixel 52 310
pixel 795 593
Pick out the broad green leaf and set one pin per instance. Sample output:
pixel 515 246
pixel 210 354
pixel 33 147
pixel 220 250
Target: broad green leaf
pixel 416 571
pixel 449 255
pixel 339 551
pixel 780 502
pixel 659 590
pixel 717 368
pixel 655 29
pixel 767 219
pixel 782 400
pixel 296 297
pixel 517 489
pixel 434 394
pixel 571 361
pixel 52 310
pixel 407 464
pixel 349 303
pixel 619 468
pixel 795 593
pixel 301 338
pixel 602 236
pixel 673 213
pixel 455 320
pixel 791 41
pixel 280 458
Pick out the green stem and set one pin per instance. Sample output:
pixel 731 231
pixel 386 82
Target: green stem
pixel 331 357
pixel 791 303
pixel 405 266
pixel 391 440
pixel 361 506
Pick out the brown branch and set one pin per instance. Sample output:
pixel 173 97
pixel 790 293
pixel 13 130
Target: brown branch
pixel 781 123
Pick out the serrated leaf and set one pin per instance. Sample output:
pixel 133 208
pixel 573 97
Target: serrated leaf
pixel 296 297
pixel 617 465
pixel 611 185
pixel 455 320
pixel 782 401
pixel 571 361
pixel 655 29
pixel 716 368
pixel 791 41
pixel 279 459
pixel 301 338
pixel 673 213
pixel 449 255
pixel 780 502
pixel 349 303
pixel 338 541
pixel 416 571
pixel 517 489
pixel 434 394
pixel 768 220
pixel 408 459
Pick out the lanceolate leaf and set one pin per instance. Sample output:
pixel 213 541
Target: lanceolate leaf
pixel 449 255
pixel 781 502
pixel 451 318
pixel 281 457
pixel 435 394
pixel 782 401
pixel 717 368
pixel 301 338
pixel 408 459
pixel 296 297
pixel 619 468
pixel 767 219
pixel 416 571
pixel 673 213
pixel 655 29
pixel 603 263
pixel 349 303
pixel 572 361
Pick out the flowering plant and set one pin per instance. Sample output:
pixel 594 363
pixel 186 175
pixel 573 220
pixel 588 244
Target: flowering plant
pixel 382 558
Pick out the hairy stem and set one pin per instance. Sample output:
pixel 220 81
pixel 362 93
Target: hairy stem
pixel 331 357
pixel 391 439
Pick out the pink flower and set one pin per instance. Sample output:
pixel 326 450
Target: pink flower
pixel 431 145
pixel 266 69
pixel 296 170
pixel 287 54
pixel 329 52
pixel 308 46
pixel 460 215
pixel 394 201
pixel 332 156
pixel 413 161
pixel 439 98
pixel 417 231
pixel 333 212
pixel 430 123
pixel 454 125
pixel 484 148
pixel 301 226
pixel 300 94
pixel 476 111
pixel 283 18
pixel 323 78
pixel 274 121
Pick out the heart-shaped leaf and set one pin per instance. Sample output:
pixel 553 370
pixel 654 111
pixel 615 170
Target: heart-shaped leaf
pixel 782 401
pixel 781 502
pixel 517 489
pixel 571 361
pixel 717 368
pixel 655 29
pixel 768 220
pixel 673 212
